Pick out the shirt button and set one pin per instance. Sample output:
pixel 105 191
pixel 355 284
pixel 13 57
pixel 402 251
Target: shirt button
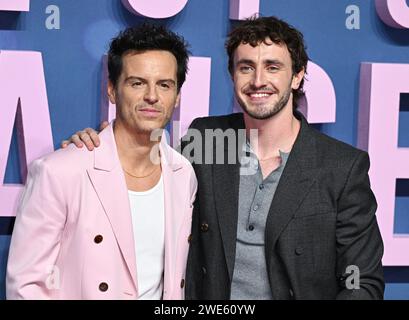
pixel 251 227
pixel 103 286
pixel 256 207
pixel 98 238
pixel 261 186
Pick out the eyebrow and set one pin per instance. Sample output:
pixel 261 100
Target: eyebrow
pixel 265 62
pixel 133 78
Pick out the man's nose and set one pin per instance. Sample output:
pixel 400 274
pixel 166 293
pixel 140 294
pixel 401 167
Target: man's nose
pixel 259 79
pixel 151 95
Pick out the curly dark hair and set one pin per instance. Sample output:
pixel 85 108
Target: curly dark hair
pixel 255 30
pixel 144 38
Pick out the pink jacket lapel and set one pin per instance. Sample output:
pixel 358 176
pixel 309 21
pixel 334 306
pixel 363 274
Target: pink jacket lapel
pixel 109 183
pixel 170 163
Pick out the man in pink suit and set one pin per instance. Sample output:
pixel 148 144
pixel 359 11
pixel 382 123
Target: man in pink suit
pixel 113 223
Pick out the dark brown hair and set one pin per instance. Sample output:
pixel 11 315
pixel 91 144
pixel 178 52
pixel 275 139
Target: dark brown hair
pixel 256 30
pixel 144 38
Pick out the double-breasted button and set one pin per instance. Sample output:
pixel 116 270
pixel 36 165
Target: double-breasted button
pixel 182 283
pixel 204 271
pixel 299 251
pixel 98 238
pixel 189 239
pixel 103 286
pixel 204 227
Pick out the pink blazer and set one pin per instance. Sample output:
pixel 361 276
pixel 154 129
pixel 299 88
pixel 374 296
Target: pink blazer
pixel 73 236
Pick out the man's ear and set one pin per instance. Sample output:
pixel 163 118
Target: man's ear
pixel 177 104
pixel 297 78
pixel 111 92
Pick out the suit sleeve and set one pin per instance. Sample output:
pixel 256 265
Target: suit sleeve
pixel 359 242
pixel 194 260
pixel 192 287
pixel 35 242
pixel 193 187
pixel 188 138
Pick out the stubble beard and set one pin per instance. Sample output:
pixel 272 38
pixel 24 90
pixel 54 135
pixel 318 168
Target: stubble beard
pixel 266 111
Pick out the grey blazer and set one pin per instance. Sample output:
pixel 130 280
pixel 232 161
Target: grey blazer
pixel 321 221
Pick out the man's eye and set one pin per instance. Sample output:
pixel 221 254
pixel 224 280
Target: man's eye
pixel 272 68
pixel 164 86
pixel 245 69
pixel 136 84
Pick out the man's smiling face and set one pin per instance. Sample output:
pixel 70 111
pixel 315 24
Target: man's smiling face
pixel 263 78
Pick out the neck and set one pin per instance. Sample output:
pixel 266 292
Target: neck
pixel 275 134
pixel 135 148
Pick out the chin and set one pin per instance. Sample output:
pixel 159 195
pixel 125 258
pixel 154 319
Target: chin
pixel 262 112
pixel 148 129
pixel 148 124
pixel 259 114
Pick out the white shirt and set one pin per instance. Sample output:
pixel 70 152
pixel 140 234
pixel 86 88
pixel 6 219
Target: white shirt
pixel 148 220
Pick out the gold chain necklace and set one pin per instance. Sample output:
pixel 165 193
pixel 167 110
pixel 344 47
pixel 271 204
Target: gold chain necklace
pixel 139 177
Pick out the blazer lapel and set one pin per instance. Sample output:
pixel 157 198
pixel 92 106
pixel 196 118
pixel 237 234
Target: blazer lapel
pixel 226 190
pixel 226 180
pixel 294 185
pixel 109 183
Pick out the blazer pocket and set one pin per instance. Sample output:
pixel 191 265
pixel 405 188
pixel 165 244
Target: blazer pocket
pixel 314 210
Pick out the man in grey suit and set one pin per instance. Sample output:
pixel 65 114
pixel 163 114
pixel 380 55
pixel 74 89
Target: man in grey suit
pixel 293 217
